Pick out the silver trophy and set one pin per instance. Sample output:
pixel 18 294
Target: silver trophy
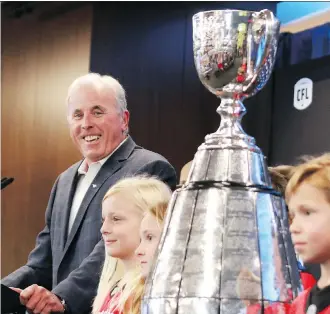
pixel 226 246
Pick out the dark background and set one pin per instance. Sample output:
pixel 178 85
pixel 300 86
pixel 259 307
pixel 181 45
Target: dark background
pixel 305 132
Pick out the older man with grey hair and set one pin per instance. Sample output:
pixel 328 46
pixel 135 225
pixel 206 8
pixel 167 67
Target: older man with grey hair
pixel 62 272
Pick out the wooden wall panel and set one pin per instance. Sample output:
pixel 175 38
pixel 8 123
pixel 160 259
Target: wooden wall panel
pixel 40 58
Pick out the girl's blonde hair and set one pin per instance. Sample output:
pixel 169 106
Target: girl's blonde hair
pixel 133 283
pixel 315 171
pixel 147 194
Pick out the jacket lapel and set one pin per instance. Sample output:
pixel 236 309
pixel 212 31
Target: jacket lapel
pixel 111 166
pixel 67 193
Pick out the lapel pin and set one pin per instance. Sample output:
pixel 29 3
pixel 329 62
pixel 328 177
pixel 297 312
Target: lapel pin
pixel 94 185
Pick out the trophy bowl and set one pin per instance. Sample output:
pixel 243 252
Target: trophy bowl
pixel 234 51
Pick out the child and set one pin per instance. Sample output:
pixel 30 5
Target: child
pixel 150 232
pixel 123 209
pixel 248 283
pixel 308 199
pixel 280 175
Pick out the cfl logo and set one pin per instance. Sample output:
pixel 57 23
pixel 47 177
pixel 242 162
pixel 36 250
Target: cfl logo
pixel 303 93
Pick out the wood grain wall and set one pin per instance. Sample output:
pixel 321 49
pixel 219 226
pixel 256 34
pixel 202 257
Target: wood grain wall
pixel 40 58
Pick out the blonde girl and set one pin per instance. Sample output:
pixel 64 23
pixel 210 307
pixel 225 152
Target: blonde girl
pixel 150 232
pixel 123 208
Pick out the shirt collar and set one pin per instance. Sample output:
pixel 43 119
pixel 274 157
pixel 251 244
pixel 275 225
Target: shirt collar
pixel 83 168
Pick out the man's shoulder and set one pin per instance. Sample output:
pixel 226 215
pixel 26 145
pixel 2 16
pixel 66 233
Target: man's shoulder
pixel 146 156
pixel 145 161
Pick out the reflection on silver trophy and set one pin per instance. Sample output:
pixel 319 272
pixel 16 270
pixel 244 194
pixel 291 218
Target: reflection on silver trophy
pixel 226 246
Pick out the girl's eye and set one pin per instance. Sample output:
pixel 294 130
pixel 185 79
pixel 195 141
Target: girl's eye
pixel 115 218
pixel 149 237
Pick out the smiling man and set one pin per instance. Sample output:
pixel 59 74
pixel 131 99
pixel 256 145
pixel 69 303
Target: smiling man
pixel 62 272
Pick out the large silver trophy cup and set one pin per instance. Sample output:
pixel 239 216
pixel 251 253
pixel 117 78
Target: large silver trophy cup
pixel 226 246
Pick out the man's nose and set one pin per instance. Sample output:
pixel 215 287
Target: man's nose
pixel 87 122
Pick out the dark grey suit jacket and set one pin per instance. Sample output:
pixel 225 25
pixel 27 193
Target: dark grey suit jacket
pixel 70 266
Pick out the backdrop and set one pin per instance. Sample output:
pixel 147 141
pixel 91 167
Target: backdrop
pixel 300 132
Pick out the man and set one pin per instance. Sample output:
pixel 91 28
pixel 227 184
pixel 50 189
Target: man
pixel 62 272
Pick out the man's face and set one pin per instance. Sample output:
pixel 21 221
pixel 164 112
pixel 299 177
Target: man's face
pixel 96 125
pixel 310 213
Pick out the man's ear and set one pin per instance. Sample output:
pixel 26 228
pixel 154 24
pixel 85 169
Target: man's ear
pixel 126 116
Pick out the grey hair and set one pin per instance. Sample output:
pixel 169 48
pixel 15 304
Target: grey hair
pixel 102 83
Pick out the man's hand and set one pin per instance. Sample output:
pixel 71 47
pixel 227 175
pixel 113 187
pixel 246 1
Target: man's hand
pixel 16 289
pixel 39 300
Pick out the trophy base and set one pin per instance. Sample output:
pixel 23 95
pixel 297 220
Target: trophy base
pixel 223 249
pixel 210 306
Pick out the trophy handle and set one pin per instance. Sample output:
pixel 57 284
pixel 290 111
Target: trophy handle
pixel 269 19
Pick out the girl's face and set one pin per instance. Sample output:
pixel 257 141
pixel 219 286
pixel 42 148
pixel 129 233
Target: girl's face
pixel 120 228
pixel 150 232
